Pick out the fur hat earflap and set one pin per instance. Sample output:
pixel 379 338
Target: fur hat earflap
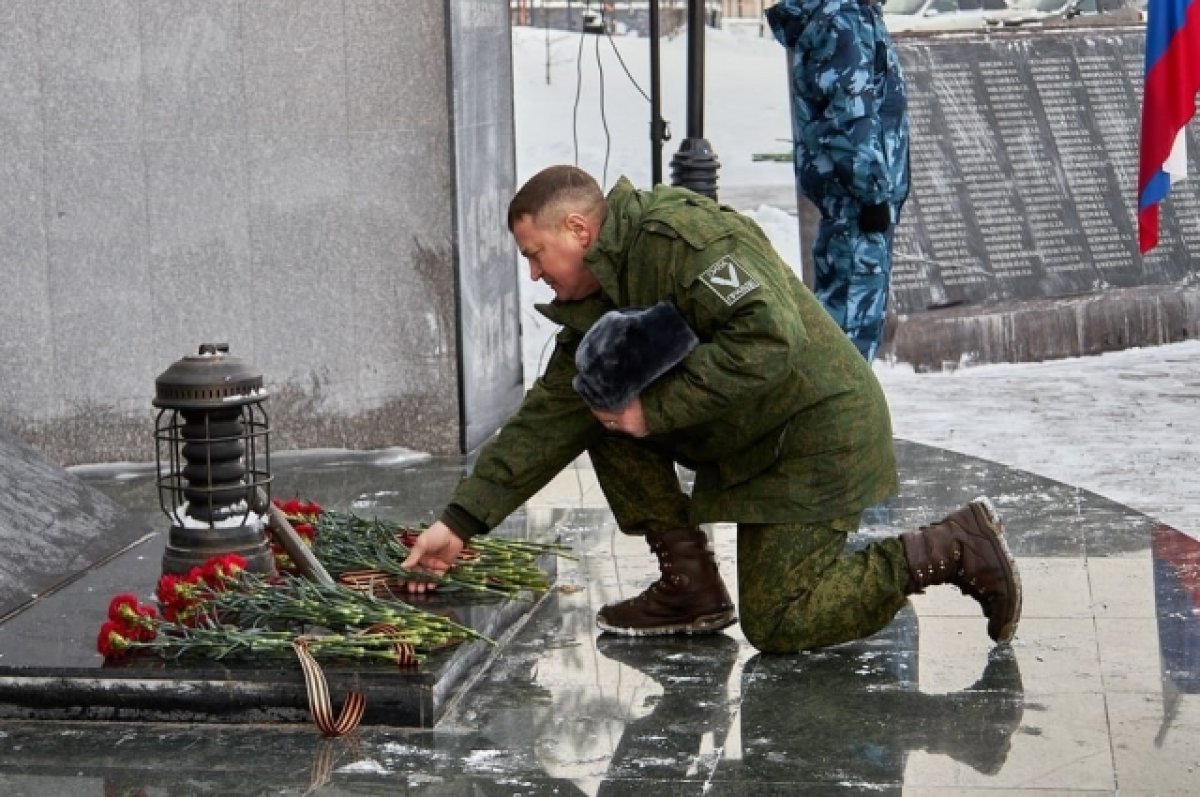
pixel 626 350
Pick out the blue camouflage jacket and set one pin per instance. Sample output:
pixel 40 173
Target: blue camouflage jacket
pixel 848 100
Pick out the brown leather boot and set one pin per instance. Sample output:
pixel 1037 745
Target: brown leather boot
pixel 967 549
pixel 690 598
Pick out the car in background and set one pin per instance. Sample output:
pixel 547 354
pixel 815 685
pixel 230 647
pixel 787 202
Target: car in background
pixel 901 16
pixel 1041 12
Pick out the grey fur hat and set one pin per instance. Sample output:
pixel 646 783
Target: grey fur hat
pixel 626 350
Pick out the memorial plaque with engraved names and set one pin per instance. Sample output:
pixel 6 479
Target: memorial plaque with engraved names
pixel 1024 171
pixel 944 256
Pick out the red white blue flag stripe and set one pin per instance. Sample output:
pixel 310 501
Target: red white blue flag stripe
pixel 1169 101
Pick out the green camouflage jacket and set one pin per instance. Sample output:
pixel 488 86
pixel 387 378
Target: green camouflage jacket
pixel 777 413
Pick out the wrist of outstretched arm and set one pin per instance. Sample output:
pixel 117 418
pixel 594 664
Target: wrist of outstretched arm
pixel 462 523
pixel 485 501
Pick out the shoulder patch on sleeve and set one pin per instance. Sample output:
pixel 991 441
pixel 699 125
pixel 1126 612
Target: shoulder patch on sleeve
pixel 728 279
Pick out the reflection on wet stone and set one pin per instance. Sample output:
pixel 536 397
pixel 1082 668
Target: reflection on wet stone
pixel 665 744
pixel 853 714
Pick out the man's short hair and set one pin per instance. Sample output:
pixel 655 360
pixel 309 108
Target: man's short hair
pixel 559 189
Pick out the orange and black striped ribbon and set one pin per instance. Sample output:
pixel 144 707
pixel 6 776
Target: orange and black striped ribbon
pixel 320 707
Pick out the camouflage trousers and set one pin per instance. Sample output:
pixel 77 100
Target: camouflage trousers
pixel 797 588
pixel 852 272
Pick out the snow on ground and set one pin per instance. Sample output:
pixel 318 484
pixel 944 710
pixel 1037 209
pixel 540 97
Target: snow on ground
pixel 1123 424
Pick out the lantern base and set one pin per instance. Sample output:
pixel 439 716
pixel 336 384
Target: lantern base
pixel 189 547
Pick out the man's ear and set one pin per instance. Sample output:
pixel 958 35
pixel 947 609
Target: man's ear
pixel 581 227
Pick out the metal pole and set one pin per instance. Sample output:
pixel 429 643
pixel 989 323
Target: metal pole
pixel 658 126
pixel 695 165
pixel 695 69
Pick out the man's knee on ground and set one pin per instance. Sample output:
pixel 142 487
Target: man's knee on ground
pixel 768 634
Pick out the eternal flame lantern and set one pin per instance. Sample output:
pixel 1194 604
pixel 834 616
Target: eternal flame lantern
pixel 213 457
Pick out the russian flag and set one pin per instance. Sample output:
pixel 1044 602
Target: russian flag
pixel 1169 101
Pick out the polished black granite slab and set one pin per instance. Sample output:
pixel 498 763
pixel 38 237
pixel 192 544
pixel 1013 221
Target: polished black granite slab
pixel 50 670
pixel 51 523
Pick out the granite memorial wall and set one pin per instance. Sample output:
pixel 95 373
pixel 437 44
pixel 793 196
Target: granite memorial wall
pixel 317 183
pixel 1024 161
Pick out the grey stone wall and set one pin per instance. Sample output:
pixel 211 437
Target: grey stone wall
pixel 281 175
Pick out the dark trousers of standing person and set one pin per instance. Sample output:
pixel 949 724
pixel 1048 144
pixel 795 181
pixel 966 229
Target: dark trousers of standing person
pixel 852 272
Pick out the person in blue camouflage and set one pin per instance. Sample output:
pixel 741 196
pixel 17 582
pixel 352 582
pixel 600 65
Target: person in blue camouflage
pixel 764 399
pixel 850 126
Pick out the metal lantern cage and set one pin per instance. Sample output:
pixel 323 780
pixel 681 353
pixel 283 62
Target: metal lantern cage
pixel 213 460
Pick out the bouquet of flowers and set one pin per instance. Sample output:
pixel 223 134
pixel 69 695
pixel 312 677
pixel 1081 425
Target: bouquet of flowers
pixel 222 609
pixel 368 553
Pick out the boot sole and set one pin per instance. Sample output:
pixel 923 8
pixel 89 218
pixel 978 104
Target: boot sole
pixel 707 624
pixel 996 528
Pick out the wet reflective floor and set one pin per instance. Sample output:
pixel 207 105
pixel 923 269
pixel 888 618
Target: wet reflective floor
pixel 1098 694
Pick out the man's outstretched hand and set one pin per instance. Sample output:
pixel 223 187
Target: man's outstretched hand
pixel 434 552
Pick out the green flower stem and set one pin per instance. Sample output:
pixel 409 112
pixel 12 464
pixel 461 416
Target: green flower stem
pixel 508 567
pixel 258 603
pixel 218 642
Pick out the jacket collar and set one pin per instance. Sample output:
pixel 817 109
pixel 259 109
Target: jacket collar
pixel 606 258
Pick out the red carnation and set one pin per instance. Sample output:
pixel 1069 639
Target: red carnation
pixel 288 507
pixel 114 640
pixel 136 620
pixel 172 589
pixel 296 508
pixel 181 597
pixel 147 623
pixel 221 571
pixel 123 608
